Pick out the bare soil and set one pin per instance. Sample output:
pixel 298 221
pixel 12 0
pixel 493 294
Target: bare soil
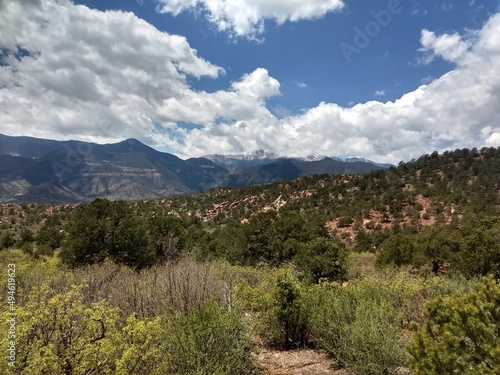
pixel 298 362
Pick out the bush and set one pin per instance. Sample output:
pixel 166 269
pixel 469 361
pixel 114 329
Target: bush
pixel 322 259
pixel 44 250
pixel 58 334
pixel 208 340
pixel 358 325
pixel 284 324
pixel 7 240
pixel 460 334
pixel 104 229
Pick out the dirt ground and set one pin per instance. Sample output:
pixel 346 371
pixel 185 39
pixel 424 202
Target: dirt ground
pixel 297 362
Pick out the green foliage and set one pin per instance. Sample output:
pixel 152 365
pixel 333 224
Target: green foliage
pixel 143 348
pixel 50 235
pixel 322 259
pixel 284 323
pixel 208 340
pixel 25 237
pixel 359 324
pixel 360 265
pixel 106 229
pixel 44 250
pixel 7 240
pixel 228 242
pixel 480 250
pixel 61 333
pixel 58 334
pixel 168 237
pixel 460 334
pixel 473 249
pixel 397 250
pixel 275 238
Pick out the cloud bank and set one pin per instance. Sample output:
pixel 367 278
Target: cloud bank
pixel 70 72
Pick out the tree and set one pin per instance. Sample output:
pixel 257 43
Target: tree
pixel 103 229
pixel 460 333
pixel 480 250
pixel 167 237
pixel 50 232
pixel 284 322
pixel 275 238
pixel 398 250
pixel 7 240
pixel 322 259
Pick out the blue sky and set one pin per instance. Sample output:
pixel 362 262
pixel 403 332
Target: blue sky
pixel 194 77
pixel 308 52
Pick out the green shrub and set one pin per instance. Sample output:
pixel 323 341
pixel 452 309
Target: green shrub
pixel 284 323
pixel 460 334
pixel 322 258
pixel 208 340
pixel 44 250
pixel 358 325
pixel 360 264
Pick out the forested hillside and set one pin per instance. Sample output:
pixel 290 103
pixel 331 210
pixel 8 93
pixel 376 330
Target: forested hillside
pixel 433 189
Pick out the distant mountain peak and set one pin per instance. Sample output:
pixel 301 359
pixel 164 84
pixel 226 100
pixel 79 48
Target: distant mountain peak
pixel 252 155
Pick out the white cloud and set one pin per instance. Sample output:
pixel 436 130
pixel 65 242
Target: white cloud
pixel 101 76
pixel 451 47
pixel 459 109
pixel 379 93
pixel 85 73
pixel 246 17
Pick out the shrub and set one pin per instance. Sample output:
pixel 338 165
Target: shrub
pixel 285 323
pixel 460 334
pixel 58 334
pixel 208 340
pixel 322 259
pixel 358 325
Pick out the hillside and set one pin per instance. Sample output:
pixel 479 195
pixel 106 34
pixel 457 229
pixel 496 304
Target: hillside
pixel 433 188
pixel 436 188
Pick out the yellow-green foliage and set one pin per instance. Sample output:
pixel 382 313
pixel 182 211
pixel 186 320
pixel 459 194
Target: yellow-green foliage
pixel 143 348
pixel 209 340
pixel 58 334
pixel 187 318
pixel 63 328
pixel 460 334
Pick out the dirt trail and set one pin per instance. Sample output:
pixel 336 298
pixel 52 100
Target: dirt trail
pixel 297 362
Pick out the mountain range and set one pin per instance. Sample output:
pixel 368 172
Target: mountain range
pixel 260 157
pixel 59 172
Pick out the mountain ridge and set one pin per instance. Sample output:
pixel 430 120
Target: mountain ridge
pixel 260 157
pixel 59 172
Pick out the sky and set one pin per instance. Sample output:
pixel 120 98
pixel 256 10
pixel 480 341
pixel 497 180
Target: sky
pixel 387 80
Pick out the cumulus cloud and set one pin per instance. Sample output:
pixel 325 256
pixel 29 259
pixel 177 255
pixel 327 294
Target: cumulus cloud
pixel 83 73
pixel 246 17
pixel 451 47
pixel 68 71
pixel 459 109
